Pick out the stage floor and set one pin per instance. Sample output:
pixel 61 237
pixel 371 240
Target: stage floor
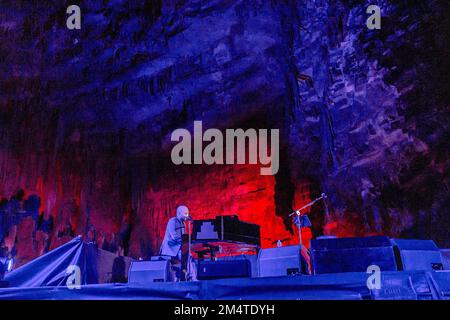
pixel 403 285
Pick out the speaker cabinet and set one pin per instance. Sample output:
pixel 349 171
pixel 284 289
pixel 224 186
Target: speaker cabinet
pixel 417 254
pixel 208 270
pixel 146 272
pixel 352 254
pixel 445 254
pixel 276 262
pixel 251 258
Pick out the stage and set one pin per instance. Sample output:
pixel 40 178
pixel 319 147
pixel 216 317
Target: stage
pixel 50 277
pixel 402 285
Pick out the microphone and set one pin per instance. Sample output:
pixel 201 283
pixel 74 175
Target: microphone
pixel 189 218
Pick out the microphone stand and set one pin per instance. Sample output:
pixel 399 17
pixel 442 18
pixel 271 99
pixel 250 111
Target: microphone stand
pixel 298 212
pixel 189 250
pixel 188 265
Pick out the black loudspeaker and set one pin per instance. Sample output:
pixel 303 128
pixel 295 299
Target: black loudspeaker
pixel 352 254
pixel 275 262
pixel 107 266
pixel 146 272
pixel 251 258
pixel 445 253
pixel 417 255
pixel 208 270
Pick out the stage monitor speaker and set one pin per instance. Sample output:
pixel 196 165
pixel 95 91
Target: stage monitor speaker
pixel 445 253
pixel 208 270
pixel 251 258
pixel 276 262
pixel 146 272
pixel 417 254
pixel 352 254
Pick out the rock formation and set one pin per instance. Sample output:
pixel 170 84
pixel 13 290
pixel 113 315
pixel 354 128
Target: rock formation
pixel 86 115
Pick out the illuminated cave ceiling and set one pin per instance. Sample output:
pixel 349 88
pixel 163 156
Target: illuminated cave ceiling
pixel 88 114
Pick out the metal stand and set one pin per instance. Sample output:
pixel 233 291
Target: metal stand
pixel 300 233
pixel 189 251
pixel 298 212
pixel 300 241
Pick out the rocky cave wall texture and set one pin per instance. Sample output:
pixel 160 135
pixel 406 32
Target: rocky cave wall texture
pixel 86 115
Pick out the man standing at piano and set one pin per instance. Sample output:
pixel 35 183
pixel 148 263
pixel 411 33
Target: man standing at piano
pixel 171 245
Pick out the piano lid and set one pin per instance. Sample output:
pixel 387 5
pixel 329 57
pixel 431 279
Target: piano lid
pixel 226 229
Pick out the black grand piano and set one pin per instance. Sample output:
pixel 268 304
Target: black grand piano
pixel 224 235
